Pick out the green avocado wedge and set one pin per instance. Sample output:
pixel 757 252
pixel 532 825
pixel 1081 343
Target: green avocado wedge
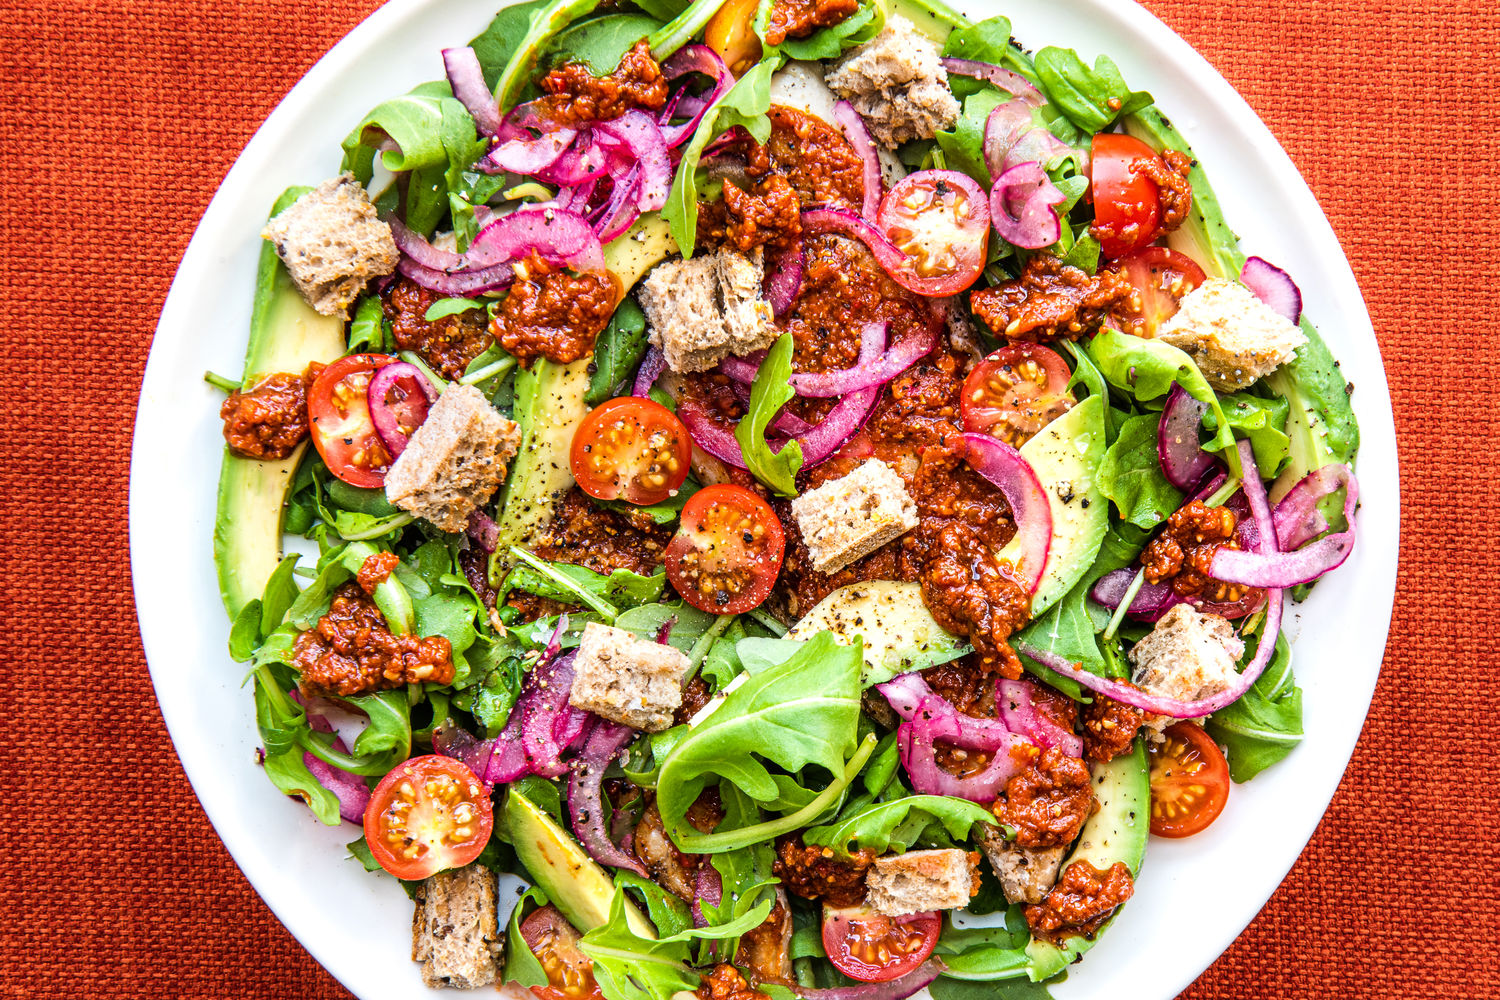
pixel 1116 832
pixel 1065 456
pixel 286 335
pixel 572 880
pixel 900 634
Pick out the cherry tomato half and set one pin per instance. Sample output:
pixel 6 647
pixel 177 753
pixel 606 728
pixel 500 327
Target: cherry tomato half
pixel 941 220
pixel 554 942
pixel 1160 277
pixel 1189 781
pixel 1127 205
pixel 875 948
pixel 1015 392
pixel 338 410
pixel 731 33
pixel 429 814
pixel 727 552
pixel 632 448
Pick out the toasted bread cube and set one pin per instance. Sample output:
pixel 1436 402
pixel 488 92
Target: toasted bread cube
pixel 1188 656
pixel 703 310
pixel 848 518
pixel 897 83
pixel 455 931
pixel 1026 874
pixel 455 461
pixel 332 243
pixel 632 681
pixel 918 881
pixel 1234 337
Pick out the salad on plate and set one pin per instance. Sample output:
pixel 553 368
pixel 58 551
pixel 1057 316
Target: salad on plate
pixel 801 491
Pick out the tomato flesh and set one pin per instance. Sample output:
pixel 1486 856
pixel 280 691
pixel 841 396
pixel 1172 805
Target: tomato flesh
pixel 1160 277
pixel 554 942
pixel 631 448
pixel 875 948
pixel 727 552
pixel 941 220
pixel 731 33
pixel 427 815
pixel 1189 782
pixel 1127 205
pixel 338 410
pixel 1015 392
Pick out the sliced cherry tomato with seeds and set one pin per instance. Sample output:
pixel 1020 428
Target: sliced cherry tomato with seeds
pixel 427 815
pixel 1015 392
pixel 727 552
pixel 554 942
pixel 1127 205
pixel 875 948
pixel 1189 781
pixel 941 220
pixel 1160 277
pixel 631 448
pixel 338 410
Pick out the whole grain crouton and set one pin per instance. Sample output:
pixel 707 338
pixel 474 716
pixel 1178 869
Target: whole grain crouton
pixel 455 461
pixel 918 881
pixel 332 243
pixel 1026 874
pixel 1234 337
pixel 1188 656
pixel 897 83
pixel 848 518
pixel 633 681
pixel 703 310
pixel 455 932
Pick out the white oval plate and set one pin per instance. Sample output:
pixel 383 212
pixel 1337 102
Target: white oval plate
pixel 358 925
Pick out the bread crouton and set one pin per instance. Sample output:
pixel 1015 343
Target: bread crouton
pixel 1234 337
pixel 455 931
pixel 455 461
pixel 1188 656
pixel 633 681
pixel 848 518
pixel 897 83
pixel 332 243
pixel 703 310
pixel 1026 874
pixel 918 881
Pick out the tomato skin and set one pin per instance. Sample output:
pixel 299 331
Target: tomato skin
pixel 554 942
pixel 728 535
pixel 1015 392
pixel 338 411
pixel 731 33
pixel 1160 277
pixel 875 948
pixel 1127 205
pixel 427 815
pixel 941 220
pixel 1189 782
pixel 631 448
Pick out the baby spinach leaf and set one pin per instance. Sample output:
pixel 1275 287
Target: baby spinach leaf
pixel 1091 98
pixel 288 772
pixel 898 824
pixel 1147 369
pixel 1263 422
pixel 600 42
pixel 666 911
pixel 617 353
pixel 1266 723
pixel 830 42
pixel 580 585
pixel 985 41
pixel 521 56
pixel 769 393
pixel 498 42
pixel 1131 475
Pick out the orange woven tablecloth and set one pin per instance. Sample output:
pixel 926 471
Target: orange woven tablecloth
pixel 120 120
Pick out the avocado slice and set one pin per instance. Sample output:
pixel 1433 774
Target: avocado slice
pixel 572 880
pixel 286 335
pixel 1065 456
pixel 900 634
pixel 1116 832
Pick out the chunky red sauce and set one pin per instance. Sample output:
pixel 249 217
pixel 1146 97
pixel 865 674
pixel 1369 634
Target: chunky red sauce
pixel 1050 300
pixel 800 18
pixel 1109 728
pixel 1184 552
pixel 375 570
pixel 576 96
pixel 267 418
pixel 552 313
pixel 447 344
pixel 1048 802
pixel 815 873
pixel 1081 902
pixel 350 651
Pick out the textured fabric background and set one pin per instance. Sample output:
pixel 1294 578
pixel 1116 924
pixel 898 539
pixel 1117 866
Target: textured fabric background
pixel 121 118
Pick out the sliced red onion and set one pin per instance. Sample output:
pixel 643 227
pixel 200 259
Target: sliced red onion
pixel 1012 475
pixel 584 160
pixel 650 370
pixel 1288 568
pixel 461 284
pixel 353 794
pixel 1012 137
pixel 452 740
pixel 842 423
pixel 928 777
pixel 871 374
pixel 483 531
pixel 572 726
pixel 1298 518
pixel 620 212
pixel 1021 207
pixel 1273 286
pixel 864 147
pixel 586 798
pixel 1020 714
pixel 467 80
pixel 709 434
pixel 694 59
pixel 526 154
pixel 784 279
pixel 419 251
pixel 744 369
pixel 1151 601
pixel 887 254
pixel 559 237
pixel 387 421
pixel 1210 487
pixel 550 681
pixel 909 693
pixel 1183 460
pixel 638 140
pixel 708 886
pixel 897 989
pixel 1007 80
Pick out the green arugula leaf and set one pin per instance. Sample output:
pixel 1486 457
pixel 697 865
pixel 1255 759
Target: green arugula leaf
pixel 1266 723
pixel 521 964
pixel 617 353
pixel 289 773
pixel 630 967
pixel 667 912
pixel 898 824
pixel 1262 422
pixel 769 393
pixel 519 57
pixel 450 307
pixel 1131 475
pixel 367 330
pixel 580 585
pixel 1147 369
pixel 1091 98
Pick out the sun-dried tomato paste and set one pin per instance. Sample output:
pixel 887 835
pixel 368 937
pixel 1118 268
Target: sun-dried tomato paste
pixel 351 651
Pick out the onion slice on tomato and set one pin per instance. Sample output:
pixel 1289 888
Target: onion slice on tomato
pixel 864 147
pixel 1019 713
pixel 1007 80
pixel 1012 475
pixel 1021 207
pixel 586 797
pixel 467 80
pixel 1183 460
pixel 387 423
pixel 1273 286
pixel 889 256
